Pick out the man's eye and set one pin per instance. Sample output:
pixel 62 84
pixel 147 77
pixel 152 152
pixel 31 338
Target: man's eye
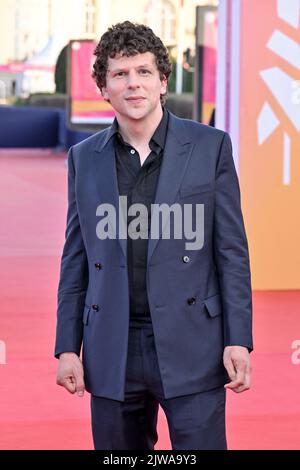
pixel 119 74
pixel 144 71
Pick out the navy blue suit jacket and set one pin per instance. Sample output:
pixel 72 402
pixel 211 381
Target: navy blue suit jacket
pixel 190 337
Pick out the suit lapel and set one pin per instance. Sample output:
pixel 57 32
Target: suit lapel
pixel 105 173
pixel 175 160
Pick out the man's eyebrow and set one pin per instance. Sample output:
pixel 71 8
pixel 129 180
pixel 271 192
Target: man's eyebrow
pixel 144 65
pixel 115 70
pixel 126 68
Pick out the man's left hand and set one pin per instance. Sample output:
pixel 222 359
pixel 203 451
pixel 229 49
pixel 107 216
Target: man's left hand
pixel 237 362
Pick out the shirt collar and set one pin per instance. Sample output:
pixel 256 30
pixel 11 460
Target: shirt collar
pixel 113 129
pixel 158 138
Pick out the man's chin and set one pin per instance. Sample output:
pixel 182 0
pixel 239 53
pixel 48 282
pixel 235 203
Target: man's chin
pixel 137 114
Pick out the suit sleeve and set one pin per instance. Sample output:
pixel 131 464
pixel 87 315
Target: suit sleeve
pixel 73 277
pixel 231 252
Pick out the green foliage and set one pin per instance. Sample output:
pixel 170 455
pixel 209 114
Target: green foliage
pixel 19 101
pixel 61 72
pixel 187 80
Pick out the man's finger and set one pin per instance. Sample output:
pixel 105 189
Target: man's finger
pixel 69 384
pixel 238 381
pixel 79 383
pixel 230 369
pixel 240 388
pixel 234 384
pixel 248 378
pixel 242 381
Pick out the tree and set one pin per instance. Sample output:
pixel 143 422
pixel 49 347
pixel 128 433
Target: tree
pixel 61 72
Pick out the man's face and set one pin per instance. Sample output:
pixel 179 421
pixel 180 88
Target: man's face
pixel 133 85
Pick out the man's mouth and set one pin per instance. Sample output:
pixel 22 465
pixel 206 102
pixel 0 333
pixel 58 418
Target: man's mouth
pixel 135 98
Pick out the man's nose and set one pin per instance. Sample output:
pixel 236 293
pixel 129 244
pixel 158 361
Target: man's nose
pixel 133 80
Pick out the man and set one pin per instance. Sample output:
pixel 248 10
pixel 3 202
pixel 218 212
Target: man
pixel 161 321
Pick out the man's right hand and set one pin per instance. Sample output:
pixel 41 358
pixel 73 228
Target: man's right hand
pixel 70 373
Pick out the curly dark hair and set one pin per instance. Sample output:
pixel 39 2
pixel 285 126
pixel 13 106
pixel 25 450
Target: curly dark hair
pixel 129 39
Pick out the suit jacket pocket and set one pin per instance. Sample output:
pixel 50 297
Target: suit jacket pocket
pixel 86 314
pixel 213 305
pixel 190 190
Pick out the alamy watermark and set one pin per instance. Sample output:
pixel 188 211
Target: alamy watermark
pixel 296 92
pixel 295 358
pixel 2 352
pixel 188 222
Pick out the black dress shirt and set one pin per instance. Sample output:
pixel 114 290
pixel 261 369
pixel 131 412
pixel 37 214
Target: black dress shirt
pixel 138 182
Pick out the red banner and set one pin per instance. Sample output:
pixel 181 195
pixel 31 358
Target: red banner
pixel 87 103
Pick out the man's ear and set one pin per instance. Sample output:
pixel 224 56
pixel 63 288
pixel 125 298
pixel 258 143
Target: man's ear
pixel 104 93
pixel 164 85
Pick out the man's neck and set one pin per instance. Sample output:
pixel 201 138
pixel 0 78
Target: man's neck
pixel 139 132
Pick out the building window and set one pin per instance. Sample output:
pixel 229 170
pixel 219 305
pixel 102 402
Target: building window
pixel 90 16
pixel 161 16
pixel 168 20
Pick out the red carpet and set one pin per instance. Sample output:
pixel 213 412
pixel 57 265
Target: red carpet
pixel 34 412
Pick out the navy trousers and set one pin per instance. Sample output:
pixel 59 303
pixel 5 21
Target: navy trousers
pixel 195 421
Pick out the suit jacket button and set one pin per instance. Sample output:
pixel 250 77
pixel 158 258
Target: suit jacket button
pixel 98 266
pixel 95 307
pixel 191 301
pixel 186 259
